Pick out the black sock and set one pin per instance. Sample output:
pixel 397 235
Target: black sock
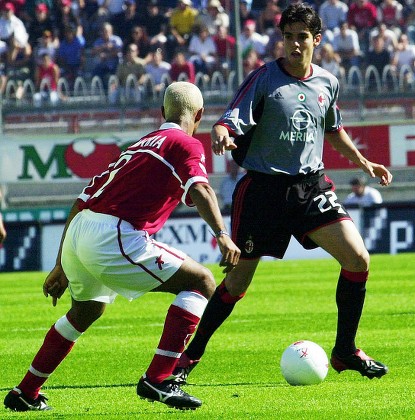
pixel 217 310
pixel 350 297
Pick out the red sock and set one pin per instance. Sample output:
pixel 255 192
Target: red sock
pixel 179 326
pixel 54 349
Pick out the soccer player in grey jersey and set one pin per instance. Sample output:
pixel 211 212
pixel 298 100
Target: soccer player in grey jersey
pixel 275 127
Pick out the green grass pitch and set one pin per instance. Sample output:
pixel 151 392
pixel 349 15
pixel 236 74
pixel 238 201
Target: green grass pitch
pixel 239 376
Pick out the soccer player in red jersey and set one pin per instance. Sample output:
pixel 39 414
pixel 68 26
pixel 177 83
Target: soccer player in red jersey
pixel 276 126
pixel 106 250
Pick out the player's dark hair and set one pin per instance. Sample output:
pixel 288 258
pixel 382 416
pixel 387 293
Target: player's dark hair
pixel 301 12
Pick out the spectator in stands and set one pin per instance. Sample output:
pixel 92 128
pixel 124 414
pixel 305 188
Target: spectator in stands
pixel 390 13
pixel 274 37
pixel 250 39
pixel 65 16
pixel 47 74
pixel 245 13
pixel 276 52
pixel 3 66
pixel 227 186
pixel 45 44
pixel 362 17
pixel 19 64
pixel 251 61
pixel 389 37
pixel 158 70
pixel 202 50
pixel 404 60
pixel 70 56
pixel 106 52
pixel 114 7
pixel 379 57
pixel 346 45
pixel 267 17
pixel 182 20
pixel 123 23
pixel 213 16
pixel 362 195
pixel 131 64
pixel 155 23
pixel 12 29
pixel 139 37
pixel 94 16
pixel 225 48
pixel 257 6
pixel 409 14
pixel 180 66
pixel 41 22
pixel 333 13
pixel 329 60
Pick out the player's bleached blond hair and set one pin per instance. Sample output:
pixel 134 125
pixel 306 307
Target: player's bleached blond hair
pixel 181 101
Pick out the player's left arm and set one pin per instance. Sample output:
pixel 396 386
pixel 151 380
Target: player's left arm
pixel 56 281
pixel 341 141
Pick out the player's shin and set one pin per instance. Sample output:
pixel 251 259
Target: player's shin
pixel 350 297
pixel 181 321
pixel 218 309
pixel 57 344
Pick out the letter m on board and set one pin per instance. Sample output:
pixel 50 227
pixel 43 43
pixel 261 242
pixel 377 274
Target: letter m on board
pixel 32 161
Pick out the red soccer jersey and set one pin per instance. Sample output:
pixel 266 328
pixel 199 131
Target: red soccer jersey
pixel 149 179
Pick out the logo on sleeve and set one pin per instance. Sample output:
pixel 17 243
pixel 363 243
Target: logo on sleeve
pixel 159 261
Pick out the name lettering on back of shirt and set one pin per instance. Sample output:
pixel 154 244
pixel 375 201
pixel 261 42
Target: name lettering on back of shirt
pixel 155 141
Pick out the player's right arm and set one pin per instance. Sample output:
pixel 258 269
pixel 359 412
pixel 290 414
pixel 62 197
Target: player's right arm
pixel 56 281
pixel 205 200
pixel 221 140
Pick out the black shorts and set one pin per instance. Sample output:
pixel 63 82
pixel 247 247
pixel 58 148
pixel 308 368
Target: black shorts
pixel 268 209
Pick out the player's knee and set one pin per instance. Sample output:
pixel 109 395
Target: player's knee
pixel 359 263
pixel 206 283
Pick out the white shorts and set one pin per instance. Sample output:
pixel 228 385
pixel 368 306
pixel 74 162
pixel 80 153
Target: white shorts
pixel 103 256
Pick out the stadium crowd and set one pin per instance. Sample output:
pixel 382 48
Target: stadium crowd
pixel 47 39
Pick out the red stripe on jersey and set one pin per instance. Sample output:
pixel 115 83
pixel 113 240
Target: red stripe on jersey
pixel 130 260
pixel 237 205
pixel 246 86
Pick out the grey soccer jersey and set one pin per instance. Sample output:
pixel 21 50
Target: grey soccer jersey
pixel 279 121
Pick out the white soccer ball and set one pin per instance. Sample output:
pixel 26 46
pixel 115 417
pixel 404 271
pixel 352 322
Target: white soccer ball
pixel 304 363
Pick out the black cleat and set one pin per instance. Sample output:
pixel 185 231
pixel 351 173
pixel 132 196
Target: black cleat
pixel 167 392
pixel 16 401
pixel 361 362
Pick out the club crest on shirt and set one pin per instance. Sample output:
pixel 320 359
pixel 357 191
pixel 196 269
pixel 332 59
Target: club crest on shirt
pixel 321 99
pixel 249 245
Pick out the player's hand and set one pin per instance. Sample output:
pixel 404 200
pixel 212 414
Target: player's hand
pixel 222 142
pixel 230 253
pixel 376 170
pixel 3 233
pixel 55 284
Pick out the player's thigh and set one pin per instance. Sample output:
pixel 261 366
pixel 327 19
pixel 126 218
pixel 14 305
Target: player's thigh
pixel 238 280
pixel 343 241
pixel 190 276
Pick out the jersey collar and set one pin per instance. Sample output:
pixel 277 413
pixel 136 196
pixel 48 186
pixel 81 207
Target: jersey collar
pixel 168 125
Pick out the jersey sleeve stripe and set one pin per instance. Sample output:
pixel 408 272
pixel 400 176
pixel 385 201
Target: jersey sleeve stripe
pixel 246 85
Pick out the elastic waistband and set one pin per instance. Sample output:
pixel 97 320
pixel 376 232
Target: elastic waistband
pixel 108 219
pixel 278 177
